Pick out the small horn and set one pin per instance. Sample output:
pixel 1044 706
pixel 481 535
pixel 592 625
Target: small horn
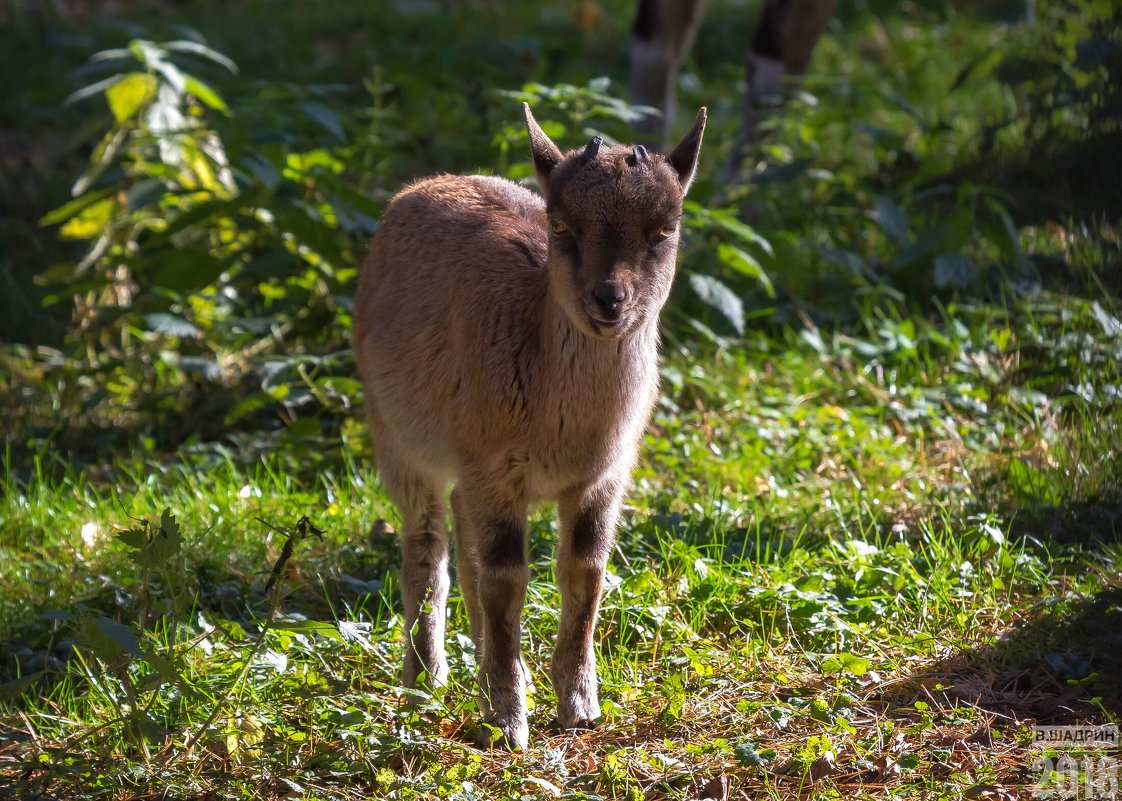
pixel 638 155
pixel 592 148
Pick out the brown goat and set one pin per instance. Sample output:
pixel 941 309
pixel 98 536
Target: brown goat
pixel 510 345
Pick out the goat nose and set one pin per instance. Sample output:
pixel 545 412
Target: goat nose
pixel 609 300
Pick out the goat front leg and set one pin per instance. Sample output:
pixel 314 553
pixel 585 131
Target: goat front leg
pixel 588 521
pixel 501 593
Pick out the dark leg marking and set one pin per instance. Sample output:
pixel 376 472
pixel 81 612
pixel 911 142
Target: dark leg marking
pixel 588 533
pixel 504 546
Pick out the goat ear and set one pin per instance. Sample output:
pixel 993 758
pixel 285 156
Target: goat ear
pixel 544 153
pixel 683 158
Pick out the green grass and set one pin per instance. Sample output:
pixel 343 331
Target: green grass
pixel 874 533
pixel 822 584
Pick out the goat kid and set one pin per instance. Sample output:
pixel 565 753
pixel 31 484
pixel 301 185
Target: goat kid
pixel 510 345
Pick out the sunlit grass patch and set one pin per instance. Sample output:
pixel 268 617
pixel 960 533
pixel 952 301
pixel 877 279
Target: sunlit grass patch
pixel 840 571
pixel 874 530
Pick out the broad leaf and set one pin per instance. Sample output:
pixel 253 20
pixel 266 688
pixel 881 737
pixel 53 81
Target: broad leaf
pixel 743 263
pixel 310 627
pixel 845 663
pixel 69 209
pixel 151 545
pixel 721 298
pixel 186 270
pixel 108 639
pixel 90 221
pixel 127 95
pixel 325 117
pixel 957 269
pixel 195 48
pixel 205 94
pixel 891 219
pixel 170 324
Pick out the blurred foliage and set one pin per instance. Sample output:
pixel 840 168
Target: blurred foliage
pixel 212 250
pixel 206 258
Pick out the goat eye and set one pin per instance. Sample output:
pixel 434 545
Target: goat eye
pixel 666 232
pixel 557 227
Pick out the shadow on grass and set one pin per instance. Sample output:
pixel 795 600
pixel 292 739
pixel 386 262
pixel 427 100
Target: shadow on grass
pixel 324 581
pixel 1062 667
pixel 1062 663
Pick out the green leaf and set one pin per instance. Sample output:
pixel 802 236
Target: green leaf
pixel 697 215
pixel 16 687
pixel 209 212
pixel 1027 480
pixel 891 219
pixel 153 545
pixel 674 709
pixel 100 159
pixel 163 666
pixel 127 95
pixel 136 538
pixel 68 210
pixel 197 49
pixel 958 269
pixel 820 710
pixel 749 757
pixel 164 323
pixel 746 265
pixel 205 94
pixel 1001 337
pixel 90 221
pixel 906 105
pixel 144 193
pixel 248 405
pixel 325 117
pixel 927 243
pixel 721 298
pixel 108 639
pixel 112 54
pixel 186 270
pixel 310 627
pixel 845 663
pixel 92 89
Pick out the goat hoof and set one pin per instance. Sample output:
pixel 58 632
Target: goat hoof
pixel 579 724
pixel 576 712
pixel 507 735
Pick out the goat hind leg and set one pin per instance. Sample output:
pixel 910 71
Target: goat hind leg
pixel 424 572
pixel 467 569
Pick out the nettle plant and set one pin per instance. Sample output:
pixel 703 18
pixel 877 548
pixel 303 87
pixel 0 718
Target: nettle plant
pixel 213 242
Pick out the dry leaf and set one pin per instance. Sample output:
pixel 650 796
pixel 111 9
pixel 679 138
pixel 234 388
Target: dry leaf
pixel 822 767
pixel 716 788
pixel 548 786
pixel 989 792
pixel 887 767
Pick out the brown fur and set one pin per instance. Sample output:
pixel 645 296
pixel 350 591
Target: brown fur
pixel 521 365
